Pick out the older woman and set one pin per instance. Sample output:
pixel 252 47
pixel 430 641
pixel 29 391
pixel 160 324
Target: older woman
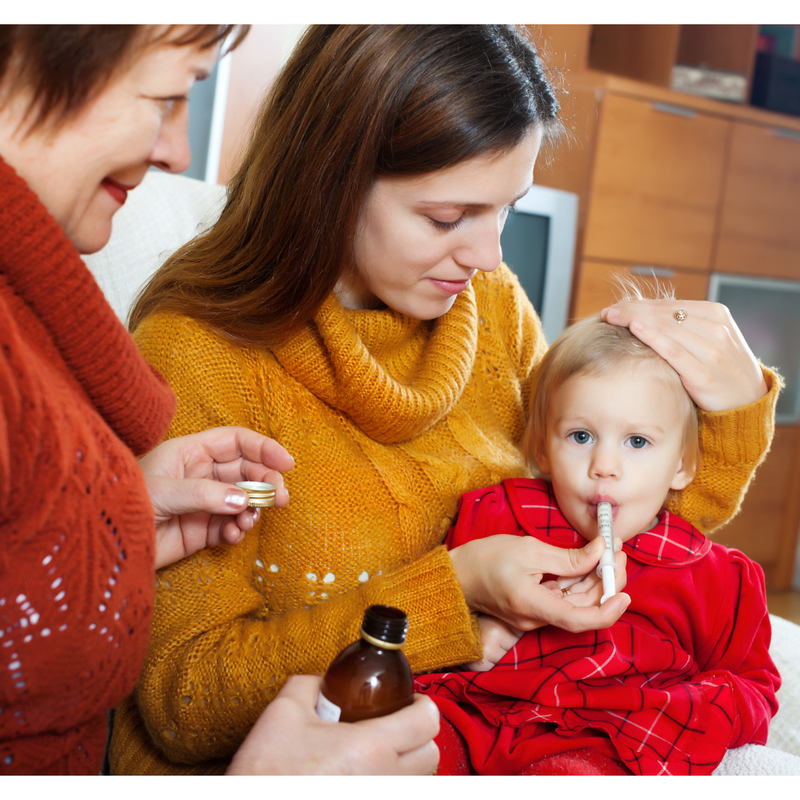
pixel 84 113
pixel 351 303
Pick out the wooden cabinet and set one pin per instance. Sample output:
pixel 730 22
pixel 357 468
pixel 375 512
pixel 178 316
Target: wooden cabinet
pixel 760 211
pixel 763 528
pixel 598 283
pixel 655 184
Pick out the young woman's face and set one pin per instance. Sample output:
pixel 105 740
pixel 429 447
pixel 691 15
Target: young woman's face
pixel 616 438
pixel 421 239
pixel 83 171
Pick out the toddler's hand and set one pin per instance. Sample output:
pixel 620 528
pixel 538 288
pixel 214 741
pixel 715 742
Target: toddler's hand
pixel 497 638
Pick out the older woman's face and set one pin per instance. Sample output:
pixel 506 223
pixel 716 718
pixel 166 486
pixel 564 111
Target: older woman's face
pixel 83 171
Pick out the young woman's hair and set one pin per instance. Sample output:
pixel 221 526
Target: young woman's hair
pixel 594 347
pixel 352 104
pixel 64 67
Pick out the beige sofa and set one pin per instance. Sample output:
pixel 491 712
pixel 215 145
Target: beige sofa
pixel 168 210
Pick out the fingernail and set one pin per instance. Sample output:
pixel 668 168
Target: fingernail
pixel 593 548
pixel 236 500
pixel 613 313
pixel 617 545
pixel 256 513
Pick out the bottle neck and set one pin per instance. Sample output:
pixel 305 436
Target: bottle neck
pixel 380 643
pixel 385 626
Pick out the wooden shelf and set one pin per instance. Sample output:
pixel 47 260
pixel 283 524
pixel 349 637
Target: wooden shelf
pixel 649 52
pixel 600 81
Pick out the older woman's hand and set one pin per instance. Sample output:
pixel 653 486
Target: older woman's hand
pixel 706 349
pixel 502 576
pixel 290 739
pixel 190 480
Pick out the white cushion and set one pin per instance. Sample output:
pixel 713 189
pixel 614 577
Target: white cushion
pixel 164 212
pixel 784 730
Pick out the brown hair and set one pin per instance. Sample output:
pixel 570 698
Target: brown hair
pixel 593 347
pixel 353 103
pixel 66 66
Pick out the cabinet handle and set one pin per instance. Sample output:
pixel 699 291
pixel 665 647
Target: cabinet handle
pixel 786 133
pixel 653 272
pixel 678 111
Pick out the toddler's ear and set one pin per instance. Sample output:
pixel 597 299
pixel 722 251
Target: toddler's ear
pixel 684 474
pixel 542 462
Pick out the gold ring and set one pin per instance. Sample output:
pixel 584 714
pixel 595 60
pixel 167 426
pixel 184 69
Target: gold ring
pixel 565 592
pixel 680 315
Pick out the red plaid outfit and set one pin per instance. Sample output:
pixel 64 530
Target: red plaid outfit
pixel 683 676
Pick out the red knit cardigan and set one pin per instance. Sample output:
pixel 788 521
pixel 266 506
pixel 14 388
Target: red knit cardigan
pixel 76 525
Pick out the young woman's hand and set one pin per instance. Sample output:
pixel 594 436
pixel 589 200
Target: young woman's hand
pixel 587 590
pixel 290 739
pixel 191 485
pixel 706 349
pixel 497 639
pixel 502 576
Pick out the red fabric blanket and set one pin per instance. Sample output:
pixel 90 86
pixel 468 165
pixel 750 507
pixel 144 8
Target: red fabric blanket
pixel 684 675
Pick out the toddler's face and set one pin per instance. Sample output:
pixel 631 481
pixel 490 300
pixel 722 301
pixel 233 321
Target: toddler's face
pixel 615 438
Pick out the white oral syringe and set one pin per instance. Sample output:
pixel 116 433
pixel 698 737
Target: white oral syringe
pixel 607 566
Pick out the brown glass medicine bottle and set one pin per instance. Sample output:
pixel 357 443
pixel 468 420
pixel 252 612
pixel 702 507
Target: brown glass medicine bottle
pixel 371 677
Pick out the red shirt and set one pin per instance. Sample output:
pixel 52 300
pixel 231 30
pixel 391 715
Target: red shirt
pixel 684 674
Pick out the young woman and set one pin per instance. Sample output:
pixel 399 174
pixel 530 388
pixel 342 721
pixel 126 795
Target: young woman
pixel 85 111
pixel 351 304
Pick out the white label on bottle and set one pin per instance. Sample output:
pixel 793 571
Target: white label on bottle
pixel 327 710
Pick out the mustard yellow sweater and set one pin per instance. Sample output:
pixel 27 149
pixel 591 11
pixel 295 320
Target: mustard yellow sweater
pixel 389 420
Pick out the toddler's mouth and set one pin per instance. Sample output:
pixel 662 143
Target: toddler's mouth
pixel 603 498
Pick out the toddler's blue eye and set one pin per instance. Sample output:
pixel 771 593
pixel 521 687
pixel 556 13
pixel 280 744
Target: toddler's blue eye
pixel 580 437
pixel 638 442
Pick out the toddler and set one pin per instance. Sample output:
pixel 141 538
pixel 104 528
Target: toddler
pixel 685 674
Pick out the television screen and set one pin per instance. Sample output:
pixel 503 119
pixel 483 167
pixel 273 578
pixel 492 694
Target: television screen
pixel 538 244
pixel 767 313
pixel 524 243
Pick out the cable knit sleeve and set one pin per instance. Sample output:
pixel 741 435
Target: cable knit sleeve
pixel 733 444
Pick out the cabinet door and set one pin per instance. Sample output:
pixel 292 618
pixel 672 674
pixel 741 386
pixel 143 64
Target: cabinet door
pixel 597 285
pixel 656 184
pixel 760 223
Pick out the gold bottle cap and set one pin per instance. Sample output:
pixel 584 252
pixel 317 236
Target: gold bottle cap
pixel 260 495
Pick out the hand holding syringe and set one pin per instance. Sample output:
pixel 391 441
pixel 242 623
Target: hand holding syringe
pixel 607 566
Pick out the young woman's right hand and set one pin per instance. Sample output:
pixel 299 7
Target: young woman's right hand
pixel 289 738
pixel 502 576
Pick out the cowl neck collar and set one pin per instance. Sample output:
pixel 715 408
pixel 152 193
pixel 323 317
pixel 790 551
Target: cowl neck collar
pixel 394 376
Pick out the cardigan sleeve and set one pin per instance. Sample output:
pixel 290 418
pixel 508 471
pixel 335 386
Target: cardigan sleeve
pixel 732 444
pixel 218 655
